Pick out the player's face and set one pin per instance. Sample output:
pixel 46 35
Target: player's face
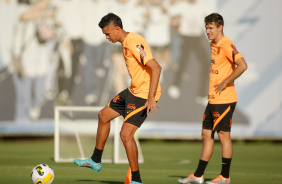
pixel 213 31
pixel 111 31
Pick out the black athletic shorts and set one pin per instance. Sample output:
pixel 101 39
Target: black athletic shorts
pixel 218 117
pixel 130 107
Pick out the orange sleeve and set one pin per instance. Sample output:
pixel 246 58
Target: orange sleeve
pixel 141 50
pixel 231 52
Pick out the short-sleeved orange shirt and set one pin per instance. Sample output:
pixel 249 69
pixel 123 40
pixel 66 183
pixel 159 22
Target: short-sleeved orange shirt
pixel 137 53
pixel 223 57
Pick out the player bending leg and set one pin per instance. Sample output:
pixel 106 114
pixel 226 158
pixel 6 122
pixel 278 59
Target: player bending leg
pixel 222 100
pixel 135 102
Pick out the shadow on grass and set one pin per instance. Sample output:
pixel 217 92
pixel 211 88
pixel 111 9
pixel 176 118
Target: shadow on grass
pixel 178 176
pixel 208 179
pixel 106 182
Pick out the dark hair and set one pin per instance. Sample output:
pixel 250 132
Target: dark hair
pixel 216 18
pixel 110 18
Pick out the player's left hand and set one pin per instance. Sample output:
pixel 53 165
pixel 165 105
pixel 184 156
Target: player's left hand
pixel 219 87
pixel 151 104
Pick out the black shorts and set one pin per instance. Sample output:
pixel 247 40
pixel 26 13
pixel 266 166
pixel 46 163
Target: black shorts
pixel 218 117
pixel 130 107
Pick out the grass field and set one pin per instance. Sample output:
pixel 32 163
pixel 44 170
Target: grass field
pixel 165 162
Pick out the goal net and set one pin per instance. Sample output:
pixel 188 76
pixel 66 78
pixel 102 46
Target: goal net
pixel 75 135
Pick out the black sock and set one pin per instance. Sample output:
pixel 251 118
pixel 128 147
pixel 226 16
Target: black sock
pixel 97 155
pixel 136 176
pixel 201 168
pixel 225 167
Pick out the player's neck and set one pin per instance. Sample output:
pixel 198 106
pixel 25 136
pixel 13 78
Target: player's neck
pixel 123 35
pixel 218 38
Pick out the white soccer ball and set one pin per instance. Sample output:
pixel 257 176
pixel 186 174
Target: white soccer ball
pixel 42 174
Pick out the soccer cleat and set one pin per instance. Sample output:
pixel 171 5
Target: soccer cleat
pixel 135 182
pixel 192 179
pixel 88 163
pixel 220 180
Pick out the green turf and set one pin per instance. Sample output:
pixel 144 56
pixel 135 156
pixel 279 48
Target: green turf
pixel 165 162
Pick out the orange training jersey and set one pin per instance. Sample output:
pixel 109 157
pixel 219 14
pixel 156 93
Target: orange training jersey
pixel 223 57
pixel 137 53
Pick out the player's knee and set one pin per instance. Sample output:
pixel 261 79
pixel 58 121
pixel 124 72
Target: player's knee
pixel 125 136
pixel 102 117
pixel 207 136
pixel 223 135
pixel 204 136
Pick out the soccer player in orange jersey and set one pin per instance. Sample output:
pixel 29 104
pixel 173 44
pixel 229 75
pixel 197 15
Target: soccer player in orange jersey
pixel 227 64
pixel 135 102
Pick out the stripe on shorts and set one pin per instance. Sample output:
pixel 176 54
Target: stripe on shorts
pixel 221 116
pixel 133 113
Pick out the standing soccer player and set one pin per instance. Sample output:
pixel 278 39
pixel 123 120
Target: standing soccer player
pixel 222 100
pixel 135 102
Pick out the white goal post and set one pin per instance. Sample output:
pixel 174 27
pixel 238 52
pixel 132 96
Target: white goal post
pixel 75 132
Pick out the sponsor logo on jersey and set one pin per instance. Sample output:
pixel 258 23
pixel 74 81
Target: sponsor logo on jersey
pixel 140 49
pixel 211 69
pixel 235 51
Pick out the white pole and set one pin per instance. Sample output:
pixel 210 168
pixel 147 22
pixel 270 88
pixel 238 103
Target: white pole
pixel 116 140
pixel 56 133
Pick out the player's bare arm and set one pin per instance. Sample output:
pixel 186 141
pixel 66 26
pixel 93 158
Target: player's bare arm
pixel 151 103
pixel 241 66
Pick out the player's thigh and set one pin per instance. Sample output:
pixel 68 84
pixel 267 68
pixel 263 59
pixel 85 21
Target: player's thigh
pixel 224 136
pixel 207 134
pixel 127 131
pixel 107 114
